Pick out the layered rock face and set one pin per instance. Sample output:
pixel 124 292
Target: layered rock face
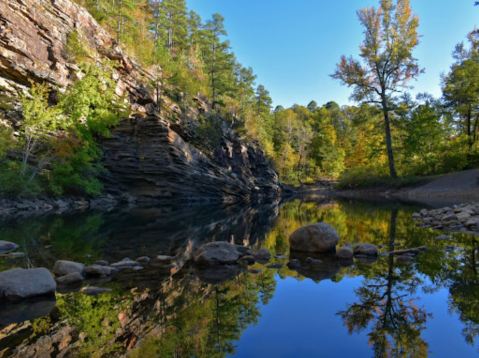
pixel 146 158
pixel 151 162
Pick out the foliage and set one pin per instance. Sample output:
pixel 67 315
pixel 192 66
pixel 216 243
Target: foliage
pixel 360 178
pixel 387 61
pixel 58 143
pixel 76 48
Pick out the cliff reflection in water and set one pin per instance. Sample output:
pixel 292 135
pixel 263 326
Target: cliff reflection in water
pixel 158 313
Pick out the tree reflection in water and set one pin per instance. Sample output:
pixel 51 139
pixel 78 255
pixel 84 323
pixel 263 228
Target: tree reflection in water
pixel 387 307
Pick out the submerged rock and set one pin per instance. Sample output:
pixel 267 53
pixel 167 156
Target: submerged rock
pixel 294 264
pixel 275 266
pixel 143 260
pixel 24 283
pixel 217 253
pixel 64 267
pixel 248 260
pixel 7 246
pixel 317 238
pixel 366 250
pixel 262 255
pixel 94 291
pixel 99 271
pixel 345 253
pixel 101 263
pixel 126 263
pixel 70 279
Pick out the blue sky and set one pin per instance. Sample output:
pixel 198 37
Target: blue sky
pixel 294 45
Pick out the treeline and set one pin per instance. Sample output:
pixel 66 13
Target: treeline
pixel 189 56
pixel 389 133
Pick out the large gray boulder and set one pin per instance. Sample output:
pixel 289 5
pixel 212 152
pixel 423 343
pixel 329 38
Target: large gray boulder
pixel 317 238
pixel 24 283
pixel 7 246
pixel 217 253
pixel 64 267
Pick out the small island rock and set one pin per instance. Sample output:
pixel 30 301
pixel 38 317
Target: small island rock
pixel 317 238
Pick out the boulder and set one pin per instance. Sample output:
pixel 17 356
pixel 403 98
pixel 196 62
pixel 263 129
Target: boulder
pixel 366 250
pixel 24 283
pixel 70 279
pixel 216 253
pixel 345 253
pixel 98 271
pixel 64 267
pixel 7 246
pixel 317 238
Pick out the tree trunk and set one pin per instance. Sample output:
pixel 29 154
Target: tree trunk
pixel 469 128
pixel 389 143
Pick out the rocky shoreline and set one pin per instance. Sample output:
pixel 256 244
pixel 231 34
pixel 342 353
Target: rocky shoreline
pixel 313 252
pixel 458 218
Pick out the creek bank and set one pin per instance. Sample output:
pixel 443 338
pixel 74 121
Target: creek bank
pixel 448 189
pixel 457 218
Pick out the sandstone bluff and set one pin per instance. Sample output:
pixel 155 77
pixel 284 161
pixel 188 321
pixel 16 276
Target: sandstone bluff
pixel 149 157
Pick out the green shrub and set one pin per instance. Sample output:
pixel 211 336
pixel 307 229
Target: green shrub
pixel 209 132
pixel 76 48
pixel 58 144
pixel 14 183
pixel 365 177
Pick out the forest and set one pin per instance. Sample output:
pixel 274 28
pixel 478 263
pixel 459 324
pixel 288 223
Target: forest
pixel 386 135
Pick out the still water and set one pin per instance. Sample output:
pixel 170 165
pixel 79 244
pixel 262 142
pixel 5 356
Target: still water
pixel 425 307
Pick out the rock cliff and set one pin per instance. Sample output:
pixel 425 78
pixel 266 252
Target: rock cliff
pixel 147 157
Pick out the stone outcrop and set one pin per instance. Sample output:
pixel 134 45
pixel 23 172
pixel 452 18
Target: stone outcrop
pixel 148 157
pixel 150 161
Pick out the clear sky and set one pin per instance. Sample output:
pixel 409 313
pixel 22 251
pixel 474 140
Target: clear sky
pixel 294 45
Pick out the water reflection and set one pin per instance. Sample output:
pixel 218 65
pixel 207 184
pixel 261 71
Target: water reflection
pixel 180 313
pixel 386 305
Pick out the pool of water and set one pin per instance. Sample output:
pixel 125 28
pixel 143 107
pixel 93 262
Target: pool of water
pixel 425 307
